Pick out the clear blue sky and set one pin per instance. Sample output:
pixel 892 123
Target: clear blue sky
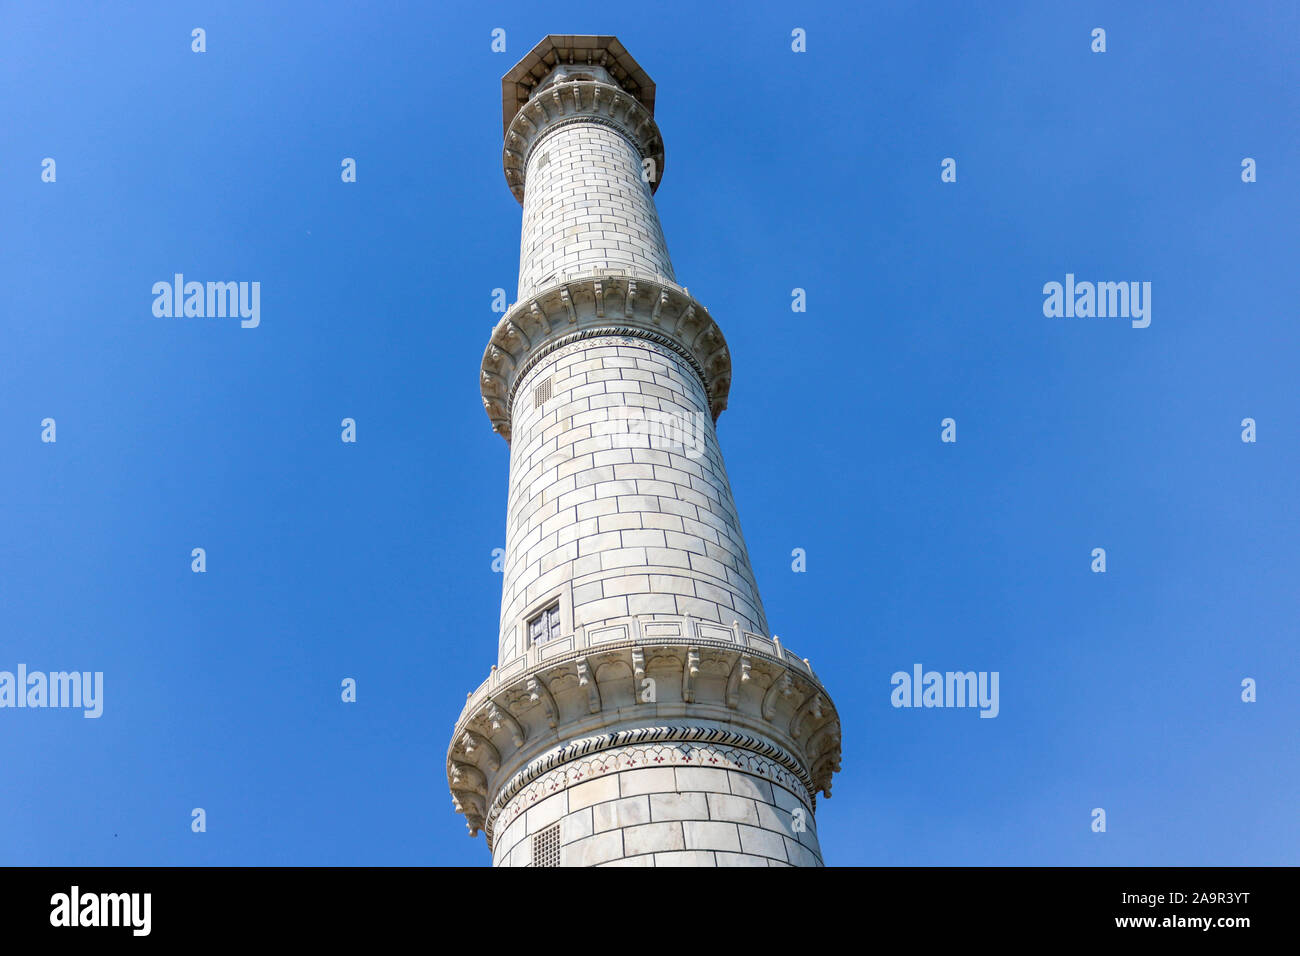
pixel 817 170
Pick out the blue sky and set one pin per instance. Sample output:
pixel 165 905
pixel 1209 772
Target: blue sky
pixel 817 170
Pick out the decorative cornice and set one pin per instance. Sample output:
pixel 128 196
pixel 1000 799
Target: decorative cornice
pixel 579 101
pixel 715 683
pixel 611 302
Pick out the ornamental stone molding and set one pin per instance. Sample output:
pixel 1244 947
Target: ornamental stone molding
pixel 651 747
pixel 614 303
pixel 586 693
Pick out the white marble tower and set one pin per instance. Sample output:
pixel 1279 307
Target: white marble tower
pixel 640 712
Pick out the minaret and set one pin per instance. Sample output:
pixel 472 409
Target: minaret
pixel 640 712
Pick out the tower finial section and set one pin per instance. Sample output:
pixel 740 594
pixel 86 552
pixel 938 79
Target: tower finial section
pixel 569 78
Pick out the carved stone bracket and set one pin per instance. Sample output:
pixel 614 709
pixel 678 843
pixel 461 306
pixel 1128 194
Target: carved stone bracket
pixel 739 675
pixel 538 691
pixel 465 776
pixel 781 687
pixel 811 707
pixel 473 744
pixel 500 717
pixel 585 679
pixel 473 806
pixel 689 673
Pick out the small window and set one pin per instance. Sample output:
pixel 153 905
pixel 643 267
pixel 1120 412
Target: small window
pixel 545 626
pixel 546 847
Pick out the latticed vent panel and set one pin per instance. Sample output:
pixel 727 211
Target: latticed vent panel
pixel 546 847
pixel 542 393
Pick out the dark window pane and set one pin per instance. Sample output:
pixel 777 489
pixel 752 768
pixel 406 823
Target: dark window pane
pixel 545 626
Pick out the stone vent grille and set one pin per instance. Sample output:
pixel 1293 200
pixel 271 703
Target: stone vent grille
pixel 542 393
pixel 546 847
